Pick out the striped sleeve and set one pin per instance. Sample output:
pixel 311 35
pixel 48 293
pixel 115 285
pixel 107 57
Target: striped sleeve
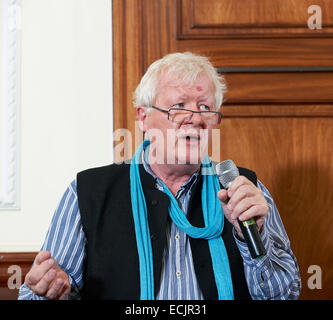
pixel 275 276
pixel 65 240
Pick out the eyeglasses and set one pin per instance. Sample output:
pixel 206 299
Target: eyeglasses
pixel 180 115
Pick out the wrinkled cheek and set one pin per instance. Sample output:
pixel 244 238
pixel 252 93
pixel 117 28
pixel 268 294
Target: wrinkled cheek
pixel 157 145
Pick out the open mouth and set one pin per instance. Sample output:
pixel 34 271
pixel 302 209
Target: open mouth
pixel 189 138
pixel 189 135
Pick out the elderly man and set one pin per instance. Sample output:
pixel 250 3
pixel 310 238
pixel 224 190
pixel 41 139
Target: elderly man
pixel 160 227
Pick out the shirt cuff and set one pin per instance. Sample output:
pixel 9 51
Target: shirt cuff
pixel 244 251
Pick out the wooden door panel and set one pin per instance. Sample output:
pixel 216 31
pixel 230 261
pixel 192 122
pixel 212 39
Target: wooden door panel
pixel 279 87
pixel 293 158
pixel 163 17
pixel 250 18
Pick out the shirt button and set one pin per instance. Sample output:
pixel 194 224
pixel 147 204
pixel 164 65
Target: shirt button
pixel 262 285
pixel 178 273
pixel 177 237
pixel 154 202
pixel 156 186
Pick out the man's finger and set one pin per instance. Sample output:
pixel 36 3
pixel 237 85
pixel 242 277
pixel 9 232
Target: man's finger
pixel 66 293
pixel 241 207
pixel 239 181
pixel 238 196
pixel 38 271
pixel 223 195
pixel 42 256
pixel 43 284
pixel 256 211
pixel 54 289
pixel 60 288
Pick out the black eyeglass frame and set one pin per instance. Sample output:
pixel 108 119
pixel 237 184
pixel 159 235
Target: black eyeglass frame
pixel 182 109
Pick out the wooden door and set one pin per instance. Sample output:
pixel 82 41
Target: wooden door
pixel 279 106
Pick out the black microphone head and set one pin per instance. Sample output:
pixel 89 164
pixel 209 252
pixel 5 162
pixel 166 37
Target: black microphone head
pixel 227 172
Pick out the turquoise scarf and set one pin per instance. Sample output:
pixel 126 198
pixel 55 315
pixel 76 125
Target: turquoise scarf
pixel 214 221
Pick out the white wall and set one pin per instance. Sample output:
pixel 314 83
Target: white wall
pixel 66 109
pixel 1 57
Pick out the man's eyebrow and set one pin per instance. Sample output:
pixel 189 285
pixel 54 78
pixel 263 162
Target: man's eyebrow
pixel 184 96
pixel 181 96
pixel 205 97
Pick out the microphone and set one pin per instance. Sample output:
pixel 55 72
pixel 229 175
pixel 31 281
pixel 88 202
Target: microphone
pixel 226 172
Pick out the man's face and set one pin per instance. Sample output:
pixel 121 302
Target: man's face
pixel 180 142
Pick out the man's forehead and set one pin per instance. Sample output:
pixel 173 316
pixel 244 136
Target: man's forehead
pixel 200 83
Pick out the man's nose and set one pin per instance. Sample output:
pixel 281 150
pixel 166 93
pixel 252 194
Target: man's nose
pixel 196 117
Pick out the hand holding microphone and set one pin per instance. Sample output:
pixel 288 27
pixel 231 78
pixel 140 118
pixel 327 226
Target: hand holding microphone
pixel 244 206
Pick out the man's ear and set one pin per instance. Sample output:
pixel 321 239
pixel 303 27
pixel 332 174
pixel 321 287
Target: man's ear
pixel 141 116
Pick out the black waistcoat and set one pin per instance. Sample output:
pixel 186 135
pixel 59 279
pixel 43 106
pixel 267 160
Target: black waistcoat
pixel 111 266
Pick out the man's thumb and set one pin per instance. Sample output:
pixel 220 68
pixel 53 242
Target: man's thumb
pixel 223 196
pixel 42 256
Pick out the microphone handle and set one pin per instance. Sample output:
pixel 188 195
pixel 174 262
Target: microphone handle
pixel 252 238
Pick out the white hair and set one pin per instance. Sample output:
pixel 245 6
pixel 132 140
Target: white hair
pixel 183 66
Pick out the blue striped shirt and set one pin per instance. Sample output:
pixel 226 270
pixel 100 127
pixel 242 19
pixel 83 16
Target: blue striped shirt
pixel 178 279
pixel 275 276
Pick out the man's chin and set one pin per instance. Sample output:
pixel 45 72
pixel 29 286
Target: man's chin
pixel 188 160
